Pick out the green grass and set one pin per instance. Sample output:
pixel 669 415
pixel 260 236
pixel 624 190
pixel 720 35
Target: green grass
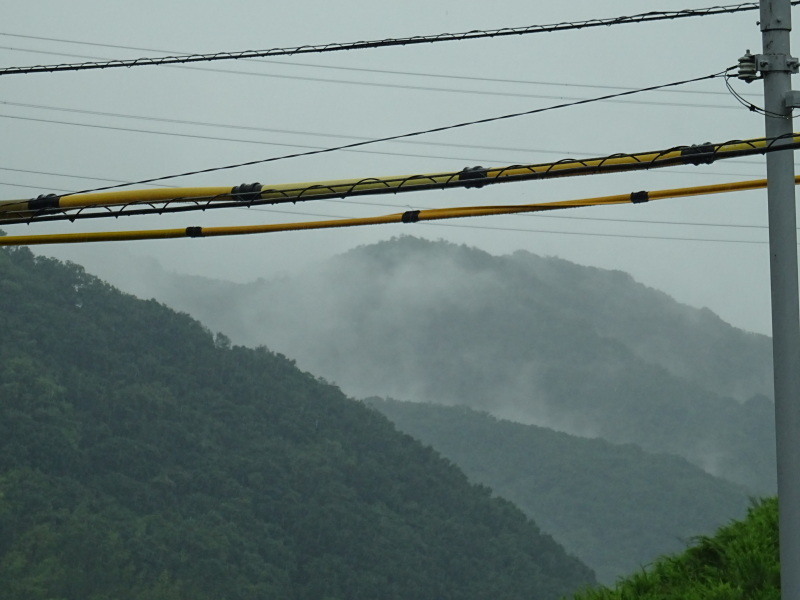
pixel 740 562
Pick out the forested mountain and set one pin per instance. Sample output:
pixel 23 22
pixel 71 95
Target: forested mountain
pixel 538 340
pixel 617 508
pixel 739 562
pixel 142 458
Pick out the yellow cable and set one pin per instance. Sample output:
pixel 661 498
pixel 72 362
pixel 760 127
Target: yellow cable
pixel 294 192
pixel 406 217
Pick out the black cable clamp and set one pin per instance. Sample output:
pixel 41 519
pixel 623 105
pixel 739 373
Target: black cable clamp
pixel 639 197
pixel 44 202
pixel 247 192
pixel 411 216
pixel 472 173
pixel 194 232
pixel 699 154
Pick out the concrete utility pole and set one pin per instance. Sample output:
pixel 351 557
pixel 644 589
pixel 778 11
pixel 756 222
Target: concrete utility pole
pixel 776 65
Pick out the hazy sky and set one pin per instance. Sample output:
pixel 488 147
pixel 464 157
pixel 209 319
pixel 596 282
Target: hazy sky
pixel 326 99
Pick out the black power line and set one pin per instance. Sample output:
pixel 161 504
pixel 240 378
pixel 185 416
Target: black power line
pixel 256 129
pixel 412 134
pixel 407 41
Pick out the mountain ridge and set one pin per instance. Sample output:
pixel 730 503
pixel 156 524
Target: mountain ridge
pixel 141 457
pixel 539 340
pixel 617 508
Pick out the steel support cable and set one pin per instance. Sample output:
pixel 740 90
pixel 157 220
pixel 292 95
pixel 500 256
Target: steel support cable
pixel 411 216
pixel 406 41
pixel 202 198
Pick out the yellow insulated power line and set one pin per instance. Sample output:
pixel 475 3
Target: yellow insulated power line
pixel 202 198
pixel 412 216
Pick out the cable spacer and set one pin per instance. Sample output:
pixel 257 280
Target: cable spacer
pixel 194 232
pixel 472 173
pixel 411 216
pixel 44 202
pixel 699 154
pixel 639 197
pixel 247 192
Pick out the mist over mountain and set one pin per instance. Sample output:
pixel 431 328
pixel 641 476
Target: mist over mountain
pixel 538 340
pixel 615 507
pixel 143 458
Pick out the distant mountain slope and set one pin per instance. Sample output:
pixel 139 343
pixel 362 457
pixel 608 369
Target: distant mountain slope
pixel 693 344
pixel 142 459
pixel 739 562
pixel 617 508
pixel 538 340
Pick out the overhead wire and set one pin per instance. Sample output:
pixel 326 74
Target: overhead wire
pixel 747 104
pixel 314 148
pixel 438 76
pixel 272 210
pixel 412 216
pixel 54 207
pixel 653 222
pixel 66 175
pixel 402 136
pixel 293 64
pixel 339 202
pixel 453 91
pixel 253 128
pixel 32 187
pixel 595 234
pixel 250 128
pixel 492 80
pixel 435 89
pixel 270 142
pixel 389 42
pixel 64 191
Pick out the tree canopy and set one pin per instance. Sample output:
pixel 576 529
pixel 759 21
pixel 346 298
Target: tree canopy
pixel 616 507
pixel 142 457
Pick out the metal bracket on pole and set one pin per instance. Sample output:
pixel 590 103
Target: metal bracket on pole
pixel 750 65
pixel 771 63
pixel 792 99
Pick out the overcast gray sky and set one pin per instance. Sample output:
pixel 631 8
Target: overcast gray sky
pixel 377 93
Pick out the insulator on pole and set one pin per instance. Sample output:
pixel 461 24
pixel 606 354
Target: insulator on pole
pixel 747 68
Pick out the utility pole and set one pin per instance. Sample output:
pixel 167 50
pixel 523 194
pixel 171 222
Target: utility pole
pixel 776 66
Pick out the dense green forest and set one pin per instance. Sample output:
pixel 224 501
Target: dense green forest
pixel 615 507
pixel 143 458
pixel 538 340
pixel 740 562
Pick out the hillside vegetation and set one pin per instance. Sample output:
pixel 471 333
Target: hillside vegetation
pixel 142 458
pixel 617 508
pixel 740 562
pixel 537 340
